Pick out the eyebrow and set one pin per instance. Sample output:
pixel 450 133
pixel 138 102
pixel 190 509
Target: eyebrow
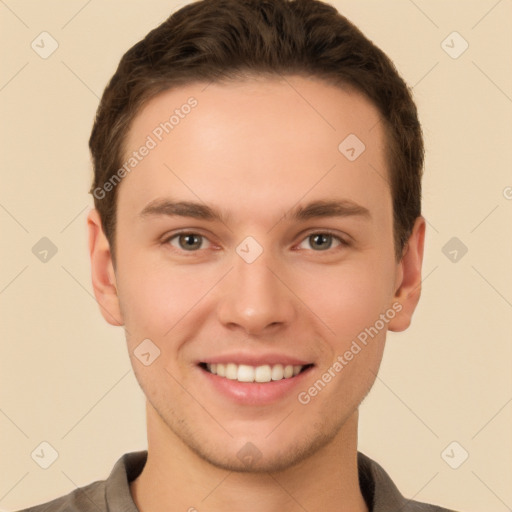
pixel 324 208
pixel 312 210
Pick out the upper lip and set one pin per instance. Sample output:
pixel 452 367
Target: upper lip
pixel 255 359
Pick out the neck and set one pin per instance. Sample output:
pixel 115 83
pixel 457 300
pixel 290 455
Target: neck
pixel 177 479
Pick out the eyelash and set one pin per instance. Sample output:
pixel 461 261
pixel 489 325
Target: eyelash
pixel 342 243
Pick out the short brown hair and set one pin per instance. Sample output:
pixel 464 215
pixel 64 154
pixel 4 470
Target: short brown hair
pixel 215 40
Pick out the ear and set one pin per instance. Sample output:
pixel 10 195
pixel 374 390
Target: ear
pixel 408 280
pixel 102 271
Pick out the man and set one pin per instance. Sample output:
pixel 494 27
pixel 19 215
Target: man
pixel 257 232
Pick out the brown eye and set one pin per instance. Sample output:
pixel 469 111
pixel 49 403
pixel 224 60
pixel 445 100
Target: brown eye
pixel 187 241
pixel 321 241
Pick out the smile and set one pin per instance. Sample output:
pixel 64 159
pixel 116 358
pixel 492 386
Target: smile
pixel 248 373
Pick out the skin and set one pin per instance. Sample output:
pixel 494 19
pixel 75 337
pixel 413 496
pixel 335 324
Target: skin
pixel 255 149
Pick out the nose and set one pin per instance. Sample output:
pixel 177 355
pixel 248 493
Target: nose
pixel 254 297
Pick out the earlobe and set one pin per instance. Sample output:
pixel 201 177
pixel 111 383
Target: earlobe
pixel 102 271
pixel 408 285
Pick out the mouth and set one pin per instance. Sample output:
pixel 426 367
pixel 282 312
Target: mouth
pixel 255 374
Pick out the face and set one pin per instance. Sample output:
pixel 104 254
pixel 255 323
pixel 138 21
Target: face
pixel 255 253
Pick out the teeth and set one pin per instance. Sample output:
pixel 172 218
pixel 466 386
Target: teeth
pixel 263 373
pixel 231 371
pixel 277 372
pixel 247 373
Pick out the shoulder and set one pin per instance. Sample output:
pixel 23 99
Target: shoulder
pixel 90 498
pixel 101 495
pixel 381 493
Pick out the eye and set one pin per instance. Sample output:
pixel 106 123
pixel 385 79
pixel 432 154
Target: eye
pixel 322 241
pixel 190 242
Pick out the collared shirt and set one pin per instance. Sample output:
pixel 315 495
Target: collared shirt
pixel 113 494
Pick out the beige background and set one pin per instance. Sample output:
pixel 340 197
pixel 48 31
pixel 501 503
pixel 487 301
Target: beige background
pixel 66 377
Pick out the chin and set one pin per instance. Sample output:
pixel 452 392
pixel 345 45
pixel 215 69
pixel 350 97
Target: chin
pixel 260 455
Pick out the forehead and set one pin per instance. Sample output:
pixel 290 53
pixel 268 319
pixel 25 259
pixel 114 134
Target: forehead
pixel 257 142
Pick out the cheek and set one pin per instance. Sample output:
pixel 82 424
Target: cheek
pixel 153 296
pixel 349 298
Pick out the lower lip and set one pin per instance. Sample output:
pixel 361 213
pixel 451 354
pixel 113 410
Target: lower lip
pixel 255 393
